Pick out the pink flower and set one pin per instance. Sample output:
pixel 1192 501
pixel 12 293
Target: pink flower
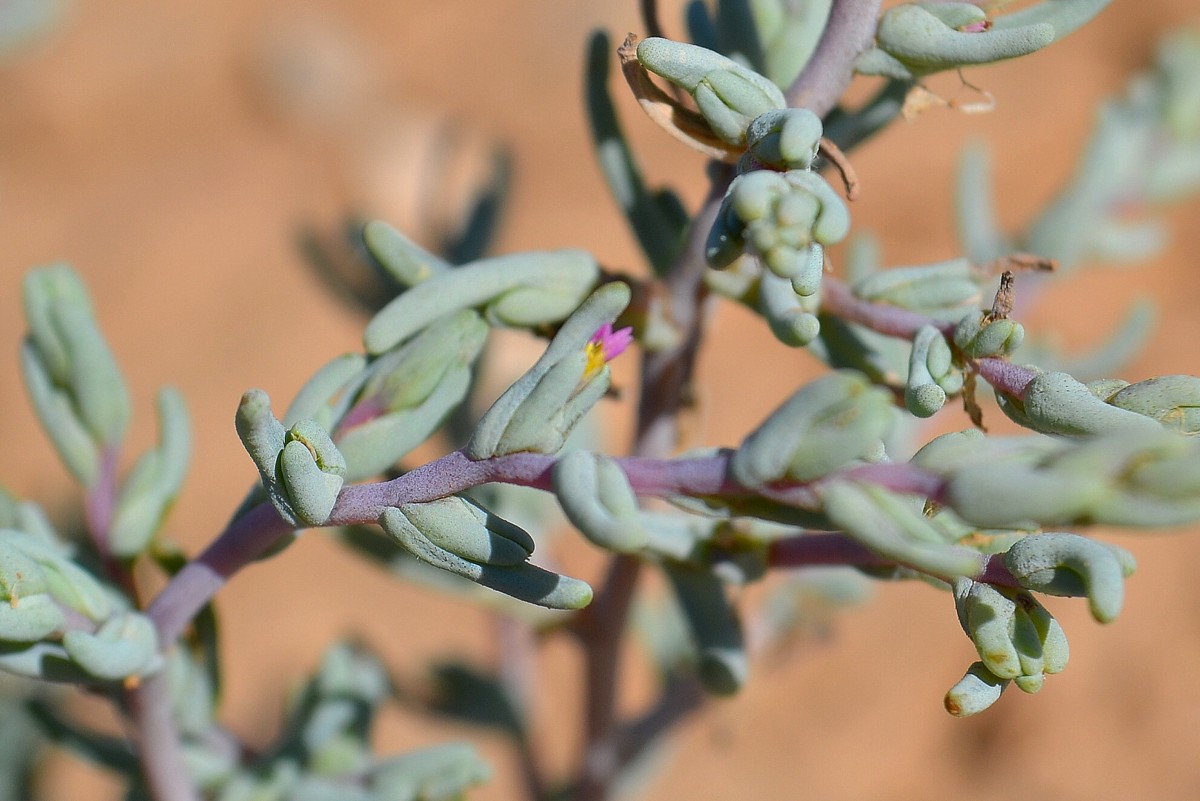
pixel 606 345
pixel 976 27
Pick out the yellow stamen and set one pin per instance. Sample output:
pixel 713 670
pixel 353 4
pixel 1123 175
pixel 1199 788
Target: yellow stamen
pixel 595 359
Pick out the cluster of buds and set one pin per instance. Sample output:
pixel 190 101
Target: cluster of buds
pixel 81 398
pixel 325 750
pixel 302 470
pixel 1017 639
pixel 777 211
pixel 57 621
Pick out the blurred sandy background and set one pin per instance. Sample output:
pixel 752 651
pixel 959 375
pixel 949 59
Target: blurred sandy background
pixel 172 152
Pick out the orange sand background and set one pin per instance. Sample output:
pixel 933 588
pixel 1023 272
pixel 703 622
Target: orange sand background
pixel 172 151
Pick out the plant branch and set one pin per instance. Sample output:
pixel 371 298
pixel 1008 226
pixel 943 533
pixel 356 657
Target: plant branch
pixel 667 374
pixel 849 31
pixel 601 628
pixel 1004 376
pixel 837 299
pixel 818 549
pixel 246 539
pixel 101 499
pixel 162 761
pixel 666 379
pixel 252 535
pixel 814 549
pixel 98 506
pixel 681 696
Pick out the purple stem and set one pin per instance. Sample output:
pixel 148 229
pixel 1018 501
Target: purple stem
pixel 246 539
pixel 667 374
pixel 848 33
pixel 835 548
pixel 153 716
pixel 1006 377
pixel 899 477
pixel 148 705
pixel 813 549
pixel 254 533
pixel 694 477
pixel 996 572
pixel 666 379
pixel 837 299
pixel 100 500
pixel 99 505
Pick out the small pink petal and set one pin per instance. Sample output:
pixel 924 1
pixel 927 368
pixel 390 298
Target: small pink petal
pixel 612 343
pixel 616 342
pixel 602 334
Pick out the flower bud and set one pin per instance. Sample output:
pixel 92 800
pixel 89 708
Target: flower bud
pixel 540 409
pixel 974 692
pixel 302 470
pixel 311 472
pixel 923 396
pixel 1014 635
pixel 996 338
pixel 786 139
pixel 728 95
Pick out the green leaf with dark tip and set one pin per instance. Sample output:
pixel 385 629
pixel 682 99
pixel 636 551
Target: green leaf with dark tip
pixel 525 582
pixel 470 695
pixel 723 664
